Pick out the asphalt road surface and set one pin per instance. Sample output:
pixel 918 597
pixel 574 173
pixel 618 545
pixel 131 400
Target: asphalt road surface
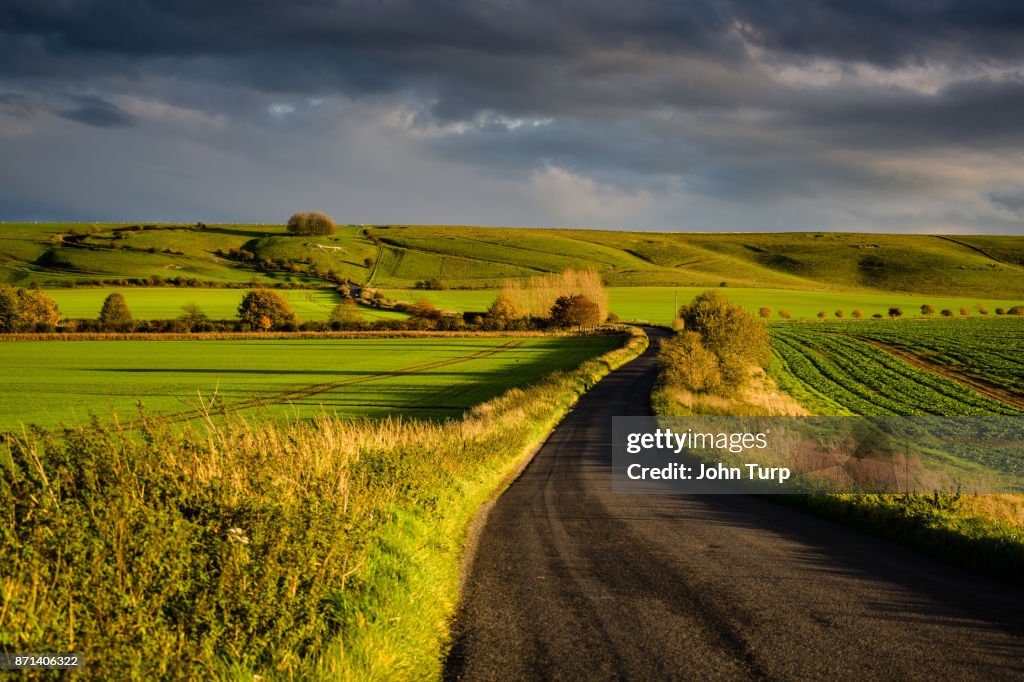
pixel 571 581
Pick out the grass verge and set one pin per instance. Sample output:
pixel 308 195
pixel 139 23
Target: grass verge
pixel 311 550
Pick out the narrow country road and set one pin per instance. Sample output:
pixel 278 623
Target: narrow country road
pixel 573 582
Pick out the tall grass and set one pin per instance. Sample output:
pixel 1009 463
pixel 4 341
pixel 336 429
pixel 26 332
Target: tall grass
pixel 324 549
pixel 536 295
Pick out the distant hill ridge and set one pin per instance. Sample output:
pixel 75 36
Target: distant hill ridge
pixel 397 256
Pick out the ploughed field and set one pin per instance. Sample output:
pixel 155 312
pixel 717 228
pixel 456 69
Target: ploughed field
pixel 954 367
pixel 65 382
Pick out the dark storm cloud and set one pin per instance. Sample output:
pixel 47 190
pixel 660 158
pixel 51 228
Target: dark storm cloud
pixel 97 112
pixel 749 99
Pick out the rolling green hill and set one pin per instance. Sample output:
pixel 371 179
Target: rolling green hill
pixel 397 256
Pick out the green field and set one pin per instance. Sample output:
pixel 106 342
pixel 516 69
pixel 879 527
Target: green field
pixel 164 303
pixel 656 304
pixel 51 382
pixel 482 257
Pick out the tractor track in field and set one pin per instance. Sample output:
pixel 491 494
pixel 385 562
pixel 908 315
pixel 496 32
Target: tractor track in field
pixel 1003 395
pixel 312 390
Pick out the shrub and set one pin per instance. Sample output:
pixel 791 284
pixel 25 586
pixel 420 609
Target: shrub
pixel 26 310
pixel 686 363
pixel 114 315
pixel 927 309
pixel 965 311
pixel 764 312
pixel 265 309
pixel 982 309
pixel 575 311
pixel 857 314
pixel 193 316
pixel 822 314
pixel 503 312
pixel 946 312
pixel 895 312
pixel 345 314
pixel 1016 310
pixel 785 314
pixel 840 314
pixel 424 310
pixel 1000 311
pixel 737 338
pixel 311 223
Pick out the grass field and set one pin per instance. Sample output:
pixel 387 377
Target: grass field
pixel 49 382
pixel 481 257
pixel 656 304
pixel 163 303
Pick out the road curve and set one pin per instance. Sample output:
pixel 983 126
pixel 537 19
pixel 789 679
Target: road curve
pixel 573 582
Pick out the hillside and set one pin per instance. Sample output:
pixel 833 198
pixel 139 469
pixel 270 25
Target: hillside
pixel 480 257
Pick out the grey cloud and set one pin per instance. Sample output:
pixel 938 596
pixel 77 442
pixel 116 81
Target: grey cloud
pixel 97 112
pixel 1011 201
pixel 649 96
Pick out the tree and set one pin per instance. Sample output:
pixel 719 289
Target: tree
pixel 982 309
pixel 36 311
pixel 785 314
pixel 8 309
pixel 857 314
pixel 311 223
pixel 1016 310
pixel 1000 311
pixel 822 314
pixel 965 311
pixel 895 312
pixel 193 316
pixel 764 312
pixel 575 310
pixel 503 312
pixel 424 309
pixel 737 338
pixel 946 312
pixel 114 315
pixel 344 314
pixel 840 314
pixel 265 309
pixel 927 309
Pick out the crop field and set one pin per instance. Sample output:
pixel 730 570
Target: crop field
pixel 52 382
pixel 834 373
pixel 657 304
pixel 988 350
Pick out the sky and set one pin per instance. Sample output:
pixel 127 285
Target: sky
pixel 702 115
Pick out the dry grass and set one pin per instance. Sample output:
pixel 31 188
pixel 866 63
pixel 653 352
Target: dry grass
pixel 310 550
pixel 536 295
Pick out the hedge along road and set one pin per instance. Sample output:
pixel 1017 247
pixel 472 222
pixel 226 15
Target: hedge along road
pixel 571 581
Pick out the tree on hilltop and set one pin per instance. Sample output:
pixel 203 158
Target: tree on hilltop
pixel 311 223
